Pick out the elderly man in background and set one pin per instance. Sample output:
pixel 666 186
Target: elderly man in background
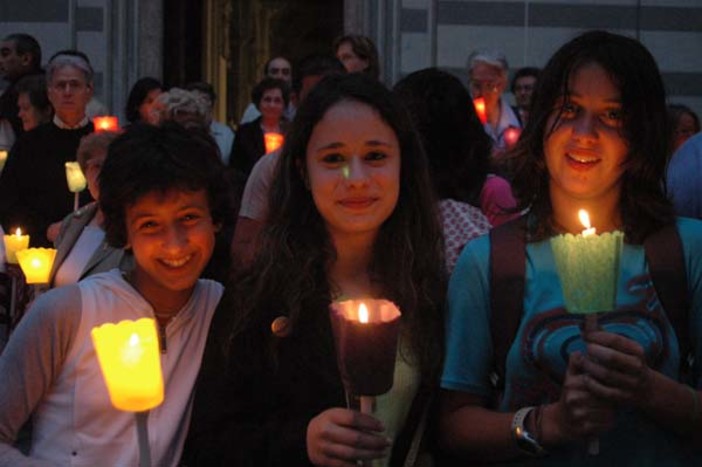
pixel 487 78
pixel 33 187
pixel 20 56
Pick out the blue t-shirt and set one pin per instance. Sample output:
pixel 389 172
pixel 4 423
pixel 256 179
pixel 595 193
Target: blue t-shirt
pixel 547 334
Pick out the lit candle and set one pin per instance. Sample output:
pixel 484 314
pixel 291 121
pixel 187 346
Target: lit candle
pixel 366 334
pixel 14 243
pixel 273 141
pixel 479 104
pixel 512 135
pixel 36 264
pixel 105 123
pixel 75 178
pixel 128 354
pixel 588 267
pixel 3 159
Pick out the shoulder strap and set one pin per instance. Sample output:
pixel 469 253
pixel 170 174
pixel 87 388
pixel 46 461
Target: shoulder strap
pixel 507 271
pixel 666 264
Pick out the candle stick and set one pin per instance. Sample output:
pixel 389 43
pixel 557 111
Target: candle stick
pixel 131 368
pixel 14 243
pixel 588 269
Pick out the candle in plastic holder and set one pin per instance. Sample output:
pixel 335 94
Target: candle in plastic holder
pixel 105 123
pixel 14 243
pixel 76 181
pixel 479 104
pixel 36 264
pixel 273 141
pixel 366 334
pixel 3 159
pixel 129 358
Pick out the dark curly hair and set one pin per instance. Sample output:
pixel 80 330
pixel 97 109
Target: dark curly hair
pixel 458 149
pixel 365 48
pixel 148 158
pixel 643 204
pixel 290 271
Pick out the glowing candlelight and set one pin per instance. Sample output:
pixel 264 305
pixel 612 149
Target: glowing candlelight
pixel 512 135
pixel 479 104
pixel 128 353
pixel 366 334
pixel 75 178
pixel 585 221
pixel 105 123
pixel 3 159
pixel 36 264
pixel 273 141
pixel 14 243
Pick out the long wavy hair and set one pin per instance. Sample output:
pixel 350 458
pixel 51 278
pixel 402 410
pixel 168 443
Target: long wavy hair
pixel 457 147
pixel 290 272
pixel 643 205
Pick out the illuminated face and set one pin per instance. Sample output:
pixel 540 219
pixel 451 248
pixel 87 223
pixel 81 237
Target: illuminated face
pixel 586 152
pixel 280 68
pixel 353 166
pixel 487 81
pixel 272 104
pixel 69 93
pixel 172 237
pixel 148 112
pixel 31 116
pixel 352 62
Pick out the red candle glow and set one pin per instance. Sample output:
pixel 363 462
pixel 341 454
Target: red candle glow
pixel 479 104
pixel 273 141
pixel 105 123
pixel 512 135
pixel 366 334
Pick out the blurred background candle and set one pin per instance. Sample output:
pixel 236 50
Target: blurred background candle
pixel 512 135
pixel 479 104
pixel 36 264
pixel 273 141
pixel 105 123
pixel 3 159
pixel 14 243
pixel 76 181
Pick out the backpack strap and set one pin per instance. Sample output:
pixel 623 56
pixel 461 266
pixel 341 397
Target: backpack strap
pixel 507 271
pixel 666 264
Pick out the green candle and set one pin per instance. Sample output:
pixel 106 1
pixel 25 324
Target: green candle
pixel 588 267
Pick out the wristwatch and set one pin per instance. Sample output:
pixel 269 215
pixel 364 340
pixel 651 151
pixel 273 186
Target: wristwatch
pixel 526 441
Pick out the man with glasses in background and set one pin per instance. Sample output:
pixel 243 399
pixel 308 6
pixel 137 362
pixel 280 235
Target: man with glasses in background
pixel 487 78
pixel 33 188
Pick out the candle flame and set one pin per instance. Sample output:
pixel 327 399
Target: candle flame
pixel 18 232
pixel 362 313
pixel 584 218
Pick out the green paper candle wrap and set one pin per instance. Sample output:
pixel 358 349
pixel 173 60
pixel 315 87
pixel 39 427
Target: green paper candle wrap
pixel 588 267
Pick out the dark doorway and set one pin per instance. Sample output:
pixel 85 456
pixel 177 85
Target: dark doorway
pixel 183 42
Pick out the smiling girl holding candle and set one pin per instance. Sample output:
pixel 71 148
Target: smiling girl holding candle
pixel 596 140
pixel 163 194
pixel 351 217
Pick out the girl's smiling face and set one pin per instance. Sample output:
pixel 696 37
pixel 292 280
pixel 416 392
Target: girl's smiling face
pixel 586 152
pixel 353 166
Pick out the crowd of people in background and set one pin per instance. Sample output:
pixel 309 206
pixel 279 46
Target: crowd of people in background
pixel 436 193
